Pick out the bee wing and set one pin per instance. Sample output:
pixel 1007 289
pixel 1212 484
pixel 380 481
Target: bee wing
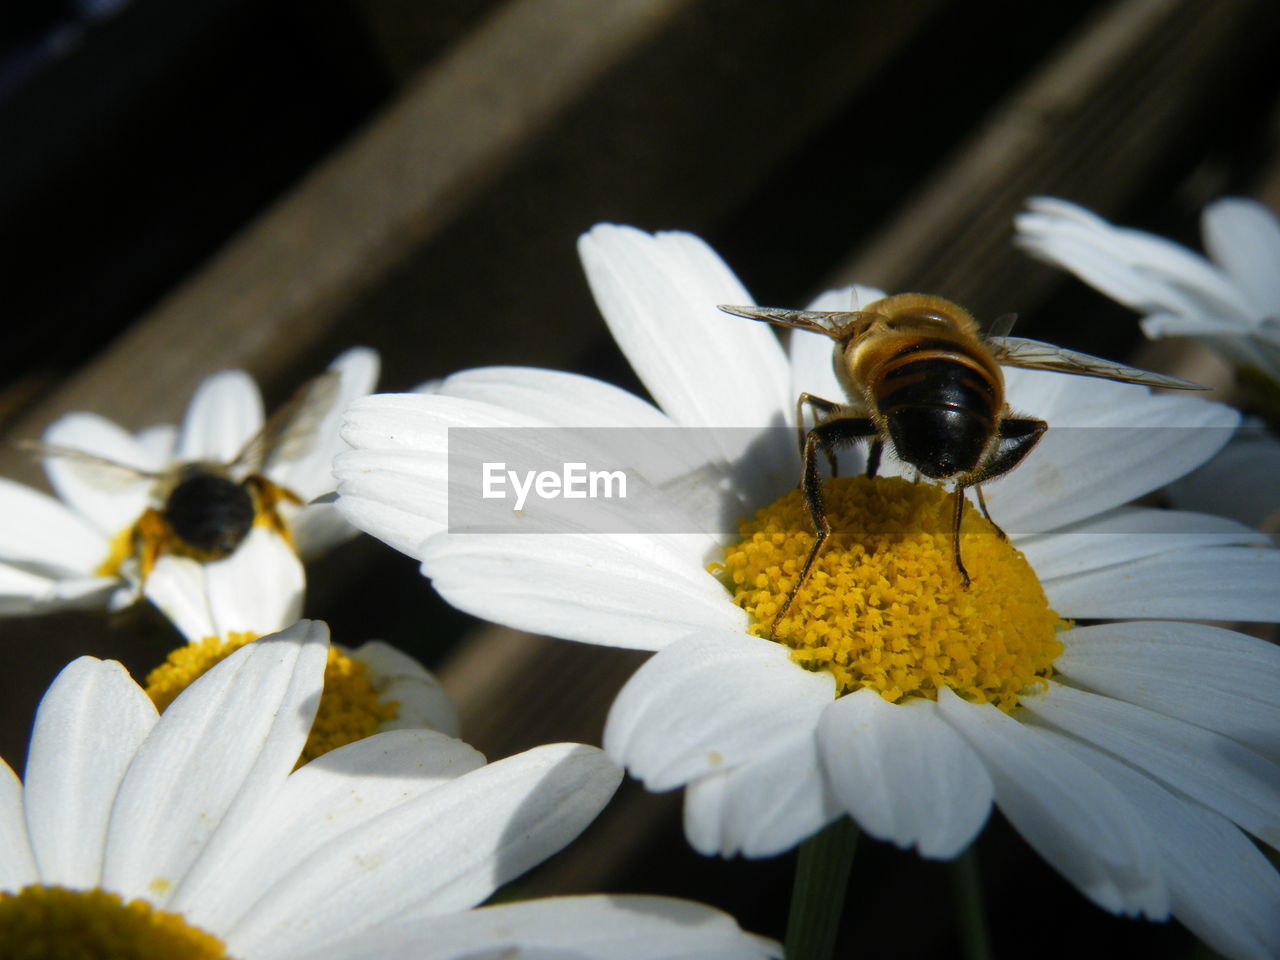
pixel 1001 325
pixel 831 323
pixel 1034 355
pixel 102 473
pixel 292 430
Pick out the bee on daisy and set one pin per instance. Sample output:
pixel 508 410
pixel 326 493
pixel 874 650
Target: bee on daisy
pixel 1137 757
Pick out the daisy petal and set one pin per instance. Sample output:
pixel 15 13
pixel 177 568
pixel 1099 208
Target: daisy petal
pixel 89 725
pixel 23 592
pixel 763 807
pixel 545 797
pixel 904 774
pixel 1102 448
pixel 333 794
pixel 658 294
pixel 396 676
pixel 223 416
pixel 1244 237
pixel 40 531
pixel 259 588
pixel 1221 886
pixel 1217 679
pixel 17 865
pixel 307 468
pixel 1224 775
pixel 109 497
pixel 622 590
pixel 1073 818
pixel 709 702
pixel 1127 534
pixel 1213 583
pixel 218 752
pixel 604 927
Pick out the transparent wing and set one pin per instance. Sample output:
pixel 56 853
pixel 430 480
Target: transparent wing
pixel 1034 355
pixel 1001 325
pixel 102 473
pixel 836 324
pixel 292 430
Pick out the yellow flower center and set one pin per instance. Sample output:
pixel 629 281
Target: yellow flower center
pixel 54 923
pixel 349 706
pixel 884 605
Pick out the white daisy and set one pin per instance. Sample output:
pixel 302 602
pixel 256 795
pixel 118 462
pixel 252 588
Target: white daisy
pixel 80 550
pixel 1231 301
pixel 190 834
pixel 771 751
pixel 220 607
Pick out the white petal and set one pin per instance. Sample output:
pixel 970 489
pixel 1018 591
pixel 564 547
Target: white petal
pixel 904 774
pixel 400 498
pixel 582 928
pixel 623 590
pixel 1239 481
pixel 1243 237
pixel 1073 818
pixel 765 806
pixel 1220 885
pixel 87 730
pixel 1211 769
pixel 397 676
pixel 108 497
pixel 40 531
pixel 1126 534
pixel 1106 445
pixel 17 864
pixel 1213 583
pixel 306 468
pixel 445 851
pixel 317 528
pixel 1214 678
pixel 658 294
pixel 215 756
pixel 321 801
pixel 708 703
pixel 224 414
pixel 23 593
pixel 258 589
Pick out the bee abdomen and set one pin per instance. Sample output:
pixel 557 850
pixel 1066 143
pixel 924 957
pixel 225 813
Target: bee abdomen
pixel 210 513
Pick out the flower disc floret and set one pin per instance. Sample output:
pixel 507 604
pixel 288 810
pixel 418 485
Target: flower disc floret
pixel 48 923
pixel 349 707
pixel 884 606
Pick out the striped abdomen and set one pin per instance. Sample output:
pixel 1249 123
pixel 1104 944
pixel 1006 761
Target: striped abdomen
pixel 939 400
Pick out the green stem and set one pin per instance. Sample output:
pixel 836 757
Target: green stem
pixel 971 918
pixel 817 899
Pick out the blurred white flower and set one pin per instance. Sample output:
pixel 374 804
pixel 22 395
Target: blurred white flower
pixel 84 549
pixel 190 834
pixel 1231 301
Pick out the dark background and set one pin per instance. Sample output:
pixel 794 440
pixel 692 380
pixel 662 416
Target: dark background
pixel 164 164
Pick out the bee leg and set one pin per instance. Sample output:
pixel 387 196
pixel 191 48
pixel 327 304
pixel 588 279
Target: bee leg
pixel 150 540
pixel 982 502
pixel 828 437
pixel 1017 436
pixel 267 497
pixel 820 407
pixel 873 456
pixel 956 517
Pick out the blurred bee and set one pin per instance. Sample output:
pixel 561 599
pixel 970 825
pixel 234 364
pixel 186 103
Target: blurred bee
pixel 920 377
pixel 204 509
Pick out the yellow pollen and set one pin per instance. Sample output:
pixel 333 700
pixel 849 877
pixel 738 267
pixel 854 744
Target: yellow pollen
pixel 54 923
pixel 884 605
pixel 349 707
pixel 120 550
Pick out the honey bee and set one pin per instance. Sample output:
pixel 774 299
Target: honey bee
pixel 921 378
pixel 205 509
